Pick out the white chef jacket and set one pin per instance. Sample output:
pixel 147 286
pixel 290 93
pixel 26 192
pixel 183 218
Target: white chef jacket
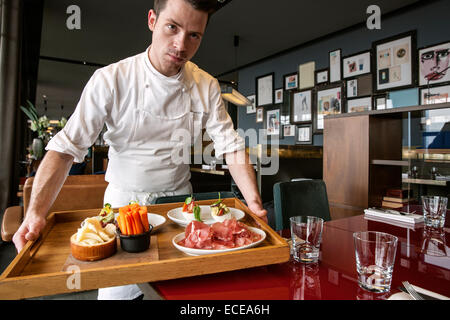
pixel 142 108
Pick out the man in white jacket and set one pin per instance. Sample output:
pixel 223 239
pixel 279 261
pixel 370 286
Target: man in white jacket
pixel 144 100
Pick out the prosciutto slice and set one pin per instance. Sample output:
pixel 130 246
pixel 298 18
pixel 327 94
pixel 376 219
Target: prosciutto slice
pixel 220 235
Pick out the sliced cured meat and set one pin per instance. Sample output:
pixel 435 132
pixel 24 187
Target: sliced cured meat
pixel 222 232
pixel 221 235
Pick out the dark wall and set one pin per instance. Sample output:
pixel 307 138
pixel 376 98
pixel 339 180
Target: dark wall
pixel 429 18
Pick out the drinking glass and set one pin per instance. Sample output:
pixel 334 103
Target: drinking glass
pixel 434 210
pixel 306 234
pixel 375 256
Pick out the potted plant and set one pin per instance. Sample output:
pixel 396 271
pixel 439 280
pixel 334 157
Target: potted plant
pixel 40 125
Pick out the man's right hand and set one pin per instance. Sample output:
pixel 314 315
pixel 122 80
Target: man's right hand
pixel 30 229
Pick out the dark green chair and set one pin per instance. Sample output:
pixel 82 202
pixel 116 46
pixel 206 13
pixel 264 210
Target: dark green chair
pixel 198 196
pixel 299 198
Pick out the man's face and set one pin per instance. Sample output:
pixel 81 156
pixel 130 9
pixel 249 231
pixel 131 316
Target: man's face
pixel 177 34
pixel 433 62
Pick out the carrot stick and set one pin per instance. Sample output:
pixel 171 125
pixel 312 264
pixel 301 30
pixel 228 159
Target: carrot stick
pixel 137 222
pixel 144 219
pixel 130 227
pixel 119 222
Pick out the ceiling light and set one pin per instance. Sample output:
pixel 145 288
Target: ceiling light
pixel 235 97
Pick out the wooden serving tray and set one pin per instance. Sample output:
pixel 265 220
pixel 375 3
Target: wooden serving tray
pixel 38 269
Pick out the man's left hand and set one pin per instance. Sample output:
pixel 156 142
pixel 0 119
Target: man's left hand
pixel 257 209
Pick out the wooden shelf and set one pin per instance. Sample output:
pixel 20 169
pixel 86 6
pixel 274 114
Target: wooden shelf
pixel 392 110
pixel 400 163
pixel 216 172
pixel 425 181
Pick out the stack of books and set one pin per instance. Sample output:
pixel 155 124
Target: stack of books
pixel 396 199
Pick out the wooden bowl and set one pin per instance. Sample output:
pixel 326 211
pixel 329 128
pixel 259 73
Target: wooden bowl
pixel 92 252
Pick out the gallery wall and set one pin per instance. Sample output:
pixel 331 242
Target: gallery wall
pixel 429 19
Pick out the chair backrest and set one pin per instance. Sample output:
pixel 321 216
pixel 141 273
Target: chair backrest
pixel 299 198
pixel 198 196
pixel 78 192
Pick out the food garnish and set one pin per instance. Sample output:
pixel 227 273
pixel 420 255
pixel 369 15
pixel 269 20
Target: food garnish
pixel 189 204
pixel 197 212
pixel 219 209
pixel 106 215
pixel 133 219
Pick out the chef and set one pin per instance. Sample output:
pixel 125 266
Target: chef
pixel 143 101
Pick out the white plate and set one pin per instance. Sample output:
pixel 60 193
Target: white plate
pixel 156 220
pixel 200 252
pixel 176 215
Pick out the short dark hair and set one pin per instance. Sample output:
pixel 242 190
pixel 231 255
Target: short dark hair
pixel 208 6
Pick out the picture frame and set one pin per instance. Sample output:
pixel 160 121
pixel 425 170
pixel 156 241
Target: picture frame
pixel 395 62
pixel 290 81
pixel 289 130
pixel 322 76
pixel 432 71
pixel 273 122
pixel 365 85
pixel 306 75
pixel 359 104
pixel 328 100
pixel 259 114
pixel 303 134
pixel 252 108
pixel 265 89
pixel 301 106
pixel 434 94
pixel 278 95
pixel 352 88
pixel 356 64
pixel 285 108
pixel 379 102
pixel 335 65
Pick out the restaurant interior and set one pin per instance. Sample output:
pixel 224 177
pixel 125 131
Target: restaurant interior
pixel 343 109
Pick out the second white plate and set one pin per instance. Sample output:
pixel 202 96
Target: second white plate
pixel 176 215
pixel 156 220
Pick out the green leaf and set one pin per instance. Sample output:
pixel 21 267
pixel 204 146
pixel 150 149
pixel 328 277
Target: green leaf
pixel 197 211
pixel 133 202
pixel 30 115
pixel 188 200
pixel 32 108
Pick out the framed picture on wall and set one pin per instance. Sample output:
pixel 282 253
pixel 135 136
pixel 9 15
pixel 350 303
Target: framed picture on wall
pixel 279 95
pixel 379 102
pixel 252 108
pixel 434 63
pixel 395 62
pixel 289 130
pixel 301 106
pixel 335 65
pixel 359 104
pixel 352 88
pixel 436 94
pixel 290 81
pixel 322 76
pixel 303 134
pixel 260 114
pixel 264 90
pixel 329 100
pixel 273 122
pixel 365 87
pixel 356 64
pixel 306 75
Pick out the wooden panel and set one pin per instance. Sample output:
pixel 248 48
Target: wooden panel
pixel 385 143
pixel 338 211
pixel 346 159
pixel 36 271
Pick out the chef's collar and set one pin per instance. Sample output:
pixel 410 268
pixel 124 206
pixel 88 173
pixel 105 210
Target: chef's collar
pixel 172 79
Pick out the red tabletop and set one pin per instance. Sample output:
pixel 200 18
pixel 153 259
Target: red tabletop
pixel 422 258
